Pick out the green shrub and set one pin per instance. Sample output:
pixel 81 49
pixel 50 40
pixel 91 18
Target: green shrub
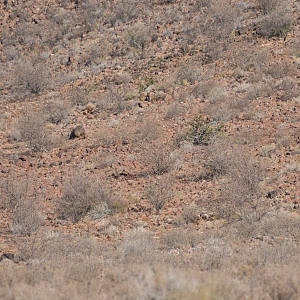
pixel 201 133
pixel 283 30
pixel 147 83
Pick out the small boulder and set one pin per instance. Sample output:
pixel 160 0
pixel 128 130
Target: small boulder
pixel 77 132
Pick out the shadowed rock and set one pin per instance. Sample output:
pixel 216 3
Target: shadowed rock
pixel 77 132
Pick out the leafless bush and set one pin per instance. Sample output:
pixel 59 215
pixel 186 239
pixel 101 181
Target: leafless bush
pixel 220 23
pixel 288 89
pixel 56 112
pixel 276 23
pixel 21 198
pixel 139 35
pixel 188 73
pixel 32 128
pixel 203 89
pixel 92 13
pixel 33 78
pixel 78 96
pixel 213 51
pixel 148 131
pixel 220 154
pixel 180 238
pixel 160 158
pixel 169 17
pixel 115 101
pixel 250 61
pixel 81 194
pixel 159 192
pixel 242 191
pixel 96 53
pixel 267 6
pixel 138 243
pixel 221 109
pixel 124 12
pixel 190 214
pixel 279 70
pixel 173 111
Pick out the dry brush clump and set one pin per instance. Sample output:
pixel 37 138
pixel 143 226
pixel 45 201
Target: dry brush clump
pixel 21 197
pixel 32 128
pixel 160 158
pixel 243 176
pixel 33 78
pixel 84 193
pixel 276 18
pixel 159 192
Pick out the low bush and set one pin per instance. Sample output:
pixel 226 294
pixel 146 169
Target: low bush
pixel 83 193
pixel 35 79
pixel 159 193
pixel 21 199
pixel 78 96
pixel 201 133
pixel 161 159
pixel 32 129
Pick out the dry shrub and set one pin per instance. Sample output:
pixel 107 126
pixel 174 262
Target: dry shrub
pixel 161 159
pixel 138 243
pixel 115 101
pixel 148 131
pixel 78 96
pixel 110 137
pixel 32 128
pixel 213 51
pixel 139 36
pixel 279 70
pixel 96 53
pixel 159 192
pixel 83 193
pixel 124 12
pixel 203 89
pixel 288 90
pixel 250 60
pixel 220 109
pixel 277 21
pixel 220 22
pixel 242 191
pixel 92 13
pixel 190 214
pixel 169 16
pixel 188 73
pixel 283 139
pixel 267 6
pixel 56 111
pixel 34 78
pixel 173 111
pixel 21 198
pixel 180 238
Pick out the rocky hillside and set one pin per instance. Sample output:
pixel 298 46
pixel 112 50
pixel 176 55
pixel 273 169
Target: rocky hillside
pixel 149 149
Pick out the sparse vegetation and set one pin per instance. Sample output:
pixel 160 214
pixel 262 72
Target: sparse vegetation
pixel 201 133
pixel 82 194
pixel 32 129
pixel 159 192
pixel 187 110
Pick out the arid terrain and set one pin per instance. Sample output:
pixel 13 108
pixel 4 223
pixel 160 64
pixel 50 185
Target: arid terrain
pixel 150 149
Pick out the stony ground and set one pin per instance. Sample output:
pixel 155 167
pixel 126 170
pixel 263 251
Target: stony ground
pixel 143 206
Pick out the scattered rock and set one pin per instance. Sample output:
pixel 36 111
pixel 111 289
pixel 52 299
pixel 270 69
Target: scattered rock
pixel 77 132
pixel 272 194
